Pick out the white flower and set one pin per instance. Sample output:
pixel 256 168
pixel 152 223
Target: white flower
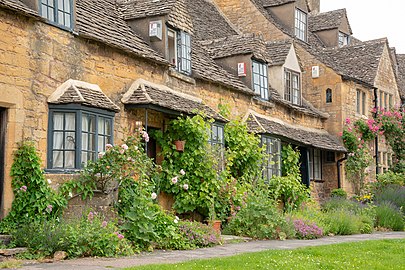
pixel 49 181
pixel 124 146
pixel 154 196
pixel 70 194
pixel 177 218
pixel 176 221
pixel 185 187
pixel 174 180
pixel 182 172
pixel 101 154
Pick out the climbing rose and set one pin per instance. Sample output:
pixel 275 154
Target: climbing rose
pixel 101 154
pixel 145 136
pixel 185 187
pixel 182 172
pixel 348 121
pixel 108 146
pixel 23 188
pixel 154 195
pixel 124 146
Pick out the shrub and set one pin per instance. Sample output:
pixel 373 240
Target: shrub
pixel 307 230
pixel 341 222
pixel 198 234
pixel 88 236
pixel 259 219
pixel 392 193
pixel 388 216
pixel 338 203
pixel 339 193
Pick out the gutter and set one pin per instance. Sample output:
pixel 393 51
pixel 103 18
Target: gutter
pixel 339 164
pixel 376 136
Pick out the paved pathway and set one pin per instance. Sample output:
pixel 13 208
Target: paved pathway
pixel 204 253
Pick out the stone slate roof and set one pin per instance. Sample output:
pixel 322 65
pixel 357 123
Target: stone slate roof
pixel 143 92
pixel 328 20
pixel 237 45
pixel 272 3
pixel 100 20
pixel 208 22
pixel 359 62
pixel 205 68
pixel 401 74
pixel 18 6
pixel 301 135
pixel 176 10
pixel 278 51
pixel 78 92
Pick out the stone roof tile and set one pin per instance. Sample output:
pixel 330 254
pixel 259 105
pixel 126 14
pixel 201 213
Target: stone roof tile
pixel 73 91
pixel 176 11
pixel 18 6
pixel 328 20
pixel 208 22
pixel 143 92
pixel 272 3
pixel 317 138
pixel 359 61
pixel 236 45
pixel 100 20
pixel 401 74
pixel 278 51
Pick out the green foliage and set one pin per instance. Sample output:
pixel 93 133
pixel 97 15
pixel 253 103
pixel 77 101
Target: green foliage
pixel 244 154
pixel 388 178
pixel 260 219
pixel 198 234
pixel 197 188
pixel 339 192
pixel 34 200
pixel 394 194
pixel 289 189
pixel 89 236
pixel 388 216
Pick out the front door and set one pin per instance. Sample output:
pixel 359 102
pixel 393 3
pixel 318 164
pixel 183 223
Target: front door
pixel 3 128
pixel 305 167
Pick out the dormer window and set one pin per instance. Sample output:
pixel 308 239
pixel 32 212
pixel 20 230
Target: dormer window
pixel 301 23
pixel 260 80
pixel 59 12
pixel 292 87
pixel 179 50
pixel 343 39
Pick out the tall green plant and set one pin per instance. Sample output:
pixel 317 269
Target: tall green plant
pixel 34 200
pixel 190 176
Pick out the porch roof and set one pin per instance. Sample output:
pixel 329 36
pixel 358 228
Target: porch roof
pixel 145 94
pixel 316 138
pixel 73 91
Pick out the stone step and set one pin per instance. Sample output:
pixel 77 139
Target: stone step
pixel 8 252
pixel 232 239
pixel 5 239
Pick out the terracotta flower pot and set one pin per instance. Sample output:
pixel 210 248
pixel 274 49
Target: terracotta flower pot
pixel 216 225
pixel 179 145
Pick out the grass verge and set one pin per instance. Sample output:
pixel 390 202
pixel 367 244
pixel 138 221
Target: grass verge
pixel 382 254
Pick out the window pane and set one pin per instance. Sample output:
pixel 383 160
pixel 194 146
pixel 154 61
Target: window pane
pixel 70 119
pixel 70 140
pixel 58 121
pixel 70 159
pixel 85 141
pixel 101 144
pixel 108 127
pixel 58 140
pixel 57 159
pixel 101 127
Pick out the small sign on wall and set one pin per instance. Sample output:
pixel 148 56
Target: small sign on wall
pixel 241 69
pixel 315 72
pixel 155 30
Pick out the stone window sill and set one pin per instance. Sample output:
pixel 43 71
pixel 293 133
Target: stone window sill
pixel 262 102
pixel 174 73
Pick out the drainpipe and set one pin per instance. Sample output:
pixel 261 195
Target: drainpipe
pixel 146 129
pixel 339 164
pixel 376 136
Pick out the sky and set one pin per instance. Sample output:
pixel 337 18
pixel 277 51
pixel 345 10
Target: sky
pixel 371 20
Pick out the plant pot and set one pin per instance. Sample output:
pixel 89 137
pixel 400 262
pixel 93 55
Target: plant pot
pixel 216 225
pixel 179 145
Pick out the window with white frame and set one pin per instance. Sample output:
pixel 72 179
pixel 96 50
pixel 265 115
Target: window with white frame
pixel 272 164
pixel 301 23
pixel 360 102
pixel 179 50
pixel 343 39
pixel 260 79
pixel 292 87
pixel 77 135
pixel 59 12
pixel 315 164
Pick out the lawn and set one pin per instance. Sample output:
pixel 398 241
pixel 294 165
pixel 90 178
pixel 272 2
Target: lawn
pixel 384 254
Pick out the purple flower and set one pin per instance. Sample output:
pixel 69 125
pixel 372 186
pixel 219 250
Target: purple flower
pixel 23 188
pixel 120 236
pixel 104 224
pixel 49 208
pixel 90 216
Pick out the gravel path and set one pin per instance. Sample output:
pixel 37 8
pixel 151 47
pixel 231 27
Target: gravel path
pixel 161 256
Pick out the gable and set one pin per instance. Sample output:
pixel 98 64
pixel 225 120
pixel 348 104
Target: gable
pixel 291 61
pixel 385 79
